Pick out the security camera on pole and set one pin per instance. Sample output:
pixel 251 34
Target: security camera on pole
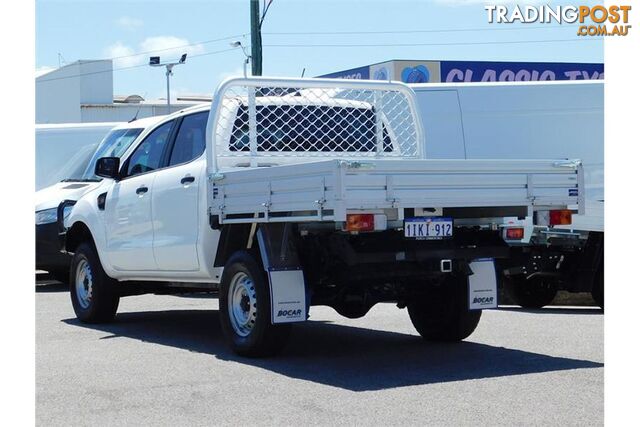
pixel 154 61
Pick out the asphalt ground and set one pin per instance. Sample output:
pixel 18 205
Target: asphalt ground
pixel 163 362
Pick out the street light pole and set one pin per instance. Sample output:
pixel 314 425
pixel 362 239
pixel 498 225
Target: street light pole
pixel 247 57
pixel 168 74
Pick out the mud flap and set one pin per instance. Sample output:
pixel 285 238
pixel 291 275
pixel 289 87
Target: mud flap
pixel 287 296
pixel 483 292
pixel 289 299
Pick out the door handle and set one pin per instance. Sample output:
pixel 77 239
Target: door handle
pixel 141 190
pixel 187 180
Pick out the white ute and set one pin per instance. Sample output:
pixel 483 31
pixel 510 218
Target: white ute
pixel 309 192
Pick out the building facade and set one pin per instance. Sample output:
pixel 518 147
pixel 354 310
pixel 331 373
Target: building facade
pixel 82 92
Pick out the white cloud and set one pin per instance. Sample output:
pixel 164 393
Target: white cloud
pixel 129 23
pixel 169 48
pixel 122 55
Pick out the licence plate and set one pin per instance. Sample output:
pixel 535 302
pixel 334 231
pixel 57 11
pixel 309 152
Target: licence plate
pixel 428 228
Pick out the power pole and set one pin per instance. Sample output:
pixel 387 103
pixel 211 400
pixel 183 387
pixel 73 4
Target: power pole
pixel 256 39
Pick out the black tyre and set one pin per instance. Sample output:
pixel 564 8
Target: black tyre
pixel 94 295
pixel 532 293
pixel 598 288
pixel 443 314
pixel 245 309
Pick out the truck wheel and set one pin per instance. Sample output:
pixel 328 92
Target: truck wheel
pixel 94 295
pixel 598 288
pixel 245 309
pixel 443 314
pixel 531 293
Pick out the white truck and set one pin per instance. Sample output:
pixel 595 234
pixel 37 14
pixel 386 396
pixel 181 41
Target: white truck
pixel 531 120
pixel 289 193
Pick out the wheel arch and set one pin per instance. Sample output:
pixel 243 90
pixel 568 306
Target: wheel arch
pixel 233 238
pixel 76 235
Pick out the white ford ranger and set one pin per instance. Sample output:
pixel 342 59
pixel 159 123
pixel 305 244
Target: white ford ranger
pixel 284 194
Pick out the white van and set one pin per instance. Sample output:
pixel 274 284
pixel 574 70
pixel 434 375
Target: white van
pixel 63 150
pixel 75 179
pixel 531 120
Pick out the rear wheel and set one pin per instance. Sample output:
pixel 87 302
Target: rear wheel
pixel 531 293
pixel 443 314
pixel 94 295
pixel 245 309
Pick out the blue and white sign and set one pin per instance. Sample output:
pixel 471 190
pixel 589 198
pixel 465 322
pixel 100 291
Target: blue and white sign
pixel 473 71
pixel 479 71
pixel 381 73
pixel 360 73
pixel 417 74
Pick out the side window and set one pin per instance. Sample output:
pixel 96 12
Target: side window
pixel 190 140
pixel 148 155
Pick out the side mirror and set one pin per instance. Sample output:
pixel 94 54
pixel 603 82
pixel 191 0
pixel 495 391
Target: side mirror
pixel 107 167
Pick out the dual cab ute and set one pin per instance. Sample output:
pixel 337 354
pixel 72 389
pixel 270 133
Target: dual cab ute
pixel 284 194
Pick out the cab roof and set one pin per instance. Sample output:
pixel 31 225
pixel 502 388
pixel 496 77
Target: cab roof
pixel 141 123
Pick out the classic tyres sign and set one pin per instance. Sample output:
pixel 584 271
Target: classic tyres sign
pixel 473 71
pixel 480 71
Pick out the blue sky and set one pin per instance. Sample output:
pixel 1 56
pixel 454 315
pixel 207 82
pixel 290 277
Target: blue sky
pixel 91 29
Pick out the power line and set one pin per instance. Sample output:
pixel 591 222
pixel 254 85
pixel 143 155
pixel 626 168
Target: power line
pixel 330 33
pixel 315 46
pixel 89 73
pixel 266 4
pixel 212 53
pixel 179 47
pixel 430 44
pixel 450 30
pixel 126 68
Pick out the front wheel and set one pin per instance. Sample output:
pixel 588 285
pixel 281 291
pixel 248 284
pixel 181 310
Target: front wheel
pixel 443 314
pixel 94 295
pixel 245 309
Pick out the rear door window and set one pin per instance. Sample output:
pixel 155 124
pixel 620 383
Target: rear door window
pixel 190 139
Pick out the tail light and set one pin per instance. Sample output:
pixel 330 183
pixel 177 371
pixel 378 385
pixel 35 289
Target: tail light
pixel 360 222
pixel 560 217
pixel 553 217
pixel 514 233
